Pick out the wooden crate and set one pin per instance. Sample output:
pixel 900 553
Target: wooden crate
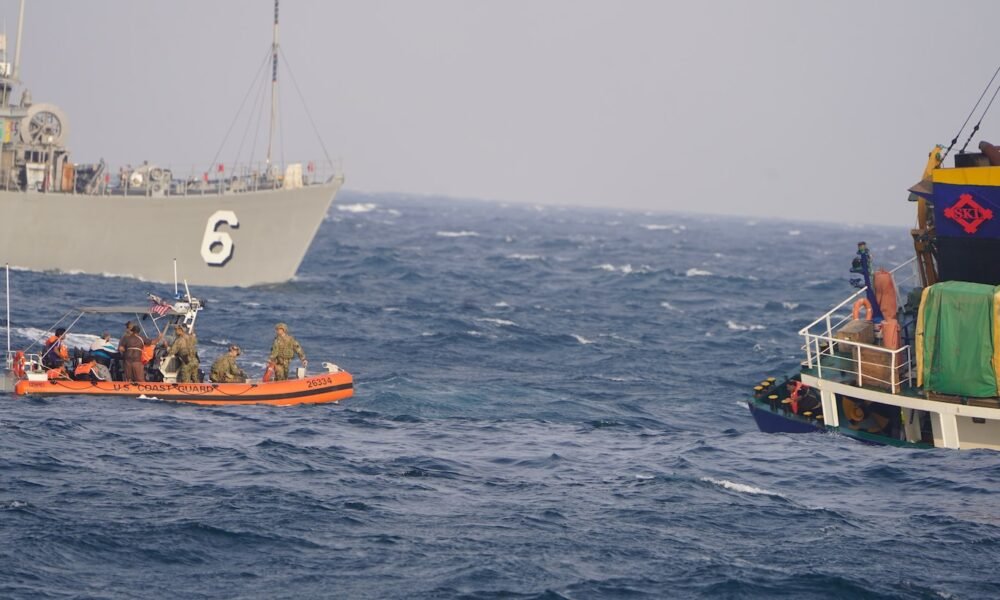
pixel 876 368
pixel 858 330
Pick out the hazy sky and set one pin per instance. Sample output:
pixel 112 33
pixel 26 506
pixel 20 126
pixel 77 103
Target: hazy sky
pixel 801 109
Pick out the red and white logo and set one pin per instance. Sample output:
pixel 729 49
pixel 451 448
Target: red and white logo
pixel 968 213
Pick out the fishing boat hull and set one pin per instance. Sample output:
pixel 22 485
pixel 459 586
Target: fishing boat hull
pixel 318 389
pixel 769 421
pixel 218 239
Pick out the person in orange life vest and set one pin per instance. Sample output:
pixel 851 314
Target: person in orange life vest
pixel 56 354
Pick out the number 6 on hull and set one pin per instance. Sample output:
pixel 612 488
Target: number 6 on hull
pixel 217 246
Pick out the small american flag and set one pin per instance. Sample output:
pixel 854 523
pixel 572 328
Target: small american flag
pixel 160 308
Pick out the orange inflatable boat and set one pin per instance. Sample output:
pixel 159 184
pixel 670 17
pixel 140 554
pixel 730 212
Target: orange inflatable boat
pixel 36 372
pixel 325 387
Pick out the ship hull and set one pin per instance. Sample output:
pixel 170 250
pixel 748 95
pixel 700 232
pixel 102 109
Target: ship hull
pixel 769 421
pixel 229 239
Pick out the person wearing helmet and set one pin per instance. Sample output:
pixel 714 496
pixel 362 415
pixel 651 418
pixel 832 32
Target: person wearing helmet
pixel 185 348
pixel 225 369
pixel 283 350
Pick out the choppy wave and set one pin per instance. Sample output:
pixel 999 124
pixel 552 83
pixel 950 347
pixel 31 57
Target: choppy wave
pixel 356 208
pixel 455 234
pixel 739 487
pixel 563 427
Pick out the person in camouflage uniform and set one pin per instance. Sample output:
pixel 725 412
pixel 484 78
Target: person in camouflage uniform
pixel 283 350
pixel 185 348
pixel 225 369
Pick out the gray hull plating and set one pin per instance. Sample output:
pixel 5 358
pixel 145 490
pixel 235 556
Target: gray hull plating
pixel 231 239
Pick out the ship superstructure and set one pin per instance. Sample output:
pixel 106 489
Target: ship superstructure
pixel 234 225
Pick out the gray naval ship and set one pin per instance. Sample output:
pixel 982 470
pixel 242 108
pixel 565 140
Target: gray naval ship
pixel 244 226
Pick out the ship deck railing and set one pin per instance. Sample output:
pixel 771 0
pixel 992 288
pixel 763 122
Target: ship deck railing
pixel 858 363
pixel 32 361
pixel 189 180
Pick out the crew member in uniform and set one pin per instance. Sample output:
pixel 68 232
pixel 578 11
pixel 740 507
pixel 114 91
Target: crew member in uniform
pixel 225 369
pixel 185 348
pixel 130 347
pixel 283 350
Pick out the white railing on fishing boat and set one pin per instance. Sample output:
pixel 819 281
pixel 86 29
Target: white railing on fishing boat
pixel 858 363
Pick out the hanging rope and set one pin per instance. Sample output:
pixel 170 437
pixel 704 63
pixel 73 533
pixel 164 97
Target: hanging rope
pixel 983 116
pixel 954 140
pixel 215 158
pixel 302 99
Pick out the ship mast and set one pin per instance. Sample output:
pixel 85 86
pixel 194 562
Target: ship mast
pixel 17 48
pixel 274 82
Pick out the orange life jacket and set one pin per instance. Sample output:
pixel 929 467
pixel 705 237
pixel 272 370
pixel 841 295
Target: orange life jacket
pixel 58 373
pixel 60 348
pixel 83 369
pixel 147 353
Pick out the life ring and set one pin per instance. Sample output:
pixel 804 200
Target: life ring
pixel 18 365
pixel 269 372
pixel 857 309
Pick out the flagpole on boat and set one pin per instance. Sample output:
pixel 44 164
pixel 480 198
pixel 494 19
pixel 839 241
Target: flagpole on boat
pixel 176 296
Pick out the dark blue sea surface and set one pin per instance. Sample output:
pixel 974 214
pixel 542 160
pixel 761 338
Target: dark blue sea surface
pixel 548 404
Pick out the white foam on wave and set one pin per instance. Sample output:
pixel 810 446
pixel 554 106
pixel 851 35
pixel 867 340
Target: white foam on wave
pixel 790 305
pixel 524 257
pixel 670 306
pixel 502 304
pixel 654 227
pixel 693 272
pixel 611 268
pixel 73 340
pixel 362 207
pixel 740 327
pixel 252 304
pixel 644 476
pixel 794 232
pixel 740 487
pixel 624 269
pixel 457 234
pixel 501 322
pixel 582 339
pixel 390 309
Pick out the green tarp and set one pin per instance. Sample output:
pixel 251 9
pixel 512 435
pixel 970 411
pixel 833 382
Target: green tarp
pixel 956 347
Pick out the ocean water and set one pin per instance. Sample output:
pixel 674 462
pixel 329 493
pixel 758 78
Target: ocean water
pixel 548 404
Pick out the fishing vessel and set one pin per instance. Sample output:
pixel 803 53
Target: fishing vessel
pixel 238 224
pixel 912 358
pixel 32 372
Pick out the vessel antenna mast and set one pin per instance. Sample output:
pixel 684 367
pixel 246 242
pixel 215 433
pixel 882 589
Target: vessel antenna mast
pixel 17 48
pixel 274 82
pixel 7 269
